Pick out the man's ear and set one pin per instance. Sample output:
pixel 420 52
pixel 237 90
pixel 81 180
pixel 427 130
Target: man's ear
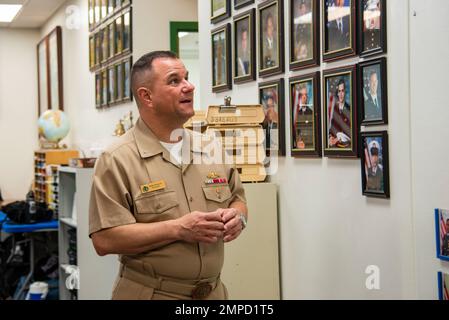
pixel 144 95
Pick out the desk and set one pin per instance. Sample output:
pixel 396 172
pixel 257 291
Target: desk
pixel 9 227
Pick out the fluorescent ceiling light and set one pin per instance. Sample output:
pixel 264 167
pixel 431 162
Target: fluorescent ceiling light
pixel 9 11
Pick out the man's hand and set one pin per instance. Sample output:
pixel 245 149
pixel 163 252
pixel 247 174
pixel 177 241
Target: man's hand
pixel 333 141
pixel 232 223
pixel 201 227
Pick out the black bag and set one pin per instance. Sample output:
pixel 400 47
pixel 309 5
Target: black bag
pixel 19 212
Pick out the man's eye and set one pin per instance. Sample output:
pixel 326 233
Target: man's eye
pixel 174 81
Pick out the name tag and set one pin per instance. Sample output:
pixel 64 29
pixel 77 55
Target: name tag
pixel 154 186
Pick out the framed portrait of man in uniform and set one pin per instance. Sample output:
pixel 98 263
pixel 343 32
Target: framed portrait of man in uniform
pixel 375 175
pixel 340 113
pixel 219 10
pixel 271 37
pixel 305 110
pixel 304 34
pixel 442 233
pixel 221 58
pixel 443 286
pixel 271 97
pixel 339 27
pixel 372 27
pixel 244 47
pixel 373 92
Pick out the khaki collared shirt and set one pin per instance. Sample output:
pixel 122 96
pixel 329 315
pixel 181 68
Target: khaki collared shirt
pixel 117 199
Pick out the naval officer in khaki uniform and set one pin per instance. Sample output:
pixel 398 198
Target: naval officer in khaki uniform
pixel 166 217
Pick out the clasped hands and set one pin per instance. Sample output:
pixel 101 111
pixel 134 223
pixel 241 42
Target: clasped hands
pixel 209 227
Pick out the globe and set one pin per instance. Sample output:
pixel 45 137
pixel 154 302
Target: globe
pixel 53 125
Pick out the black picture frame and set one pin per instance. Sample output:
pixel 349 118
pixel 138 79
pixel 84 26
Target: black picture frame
pixel 104 87
pixel 98 90
pixel 372 27
pixel 442 234
pixel 127 22
pixel 238 4
pixel 127 92
pixel 305 111
pixel 373 77
pixel 374 154
pixel 104 44
pixel 118 38
pixel 221 58
pixel 304 36
pixel 244 32
pixel 112 84
pixel 119 79
pixel 271 49
pixel 273 90
pixel 340 129
pixel 221 13
pixel 339 37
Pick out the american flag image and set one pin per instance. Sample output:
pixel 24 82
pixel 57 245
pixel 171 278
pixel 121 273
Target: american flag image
pixel 445 286
pixel 443 230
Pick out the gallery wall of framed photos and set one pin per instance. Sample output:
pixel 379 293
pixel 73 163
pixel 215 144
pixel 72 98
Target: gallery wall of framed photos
pixel 110 50
pixel 335 52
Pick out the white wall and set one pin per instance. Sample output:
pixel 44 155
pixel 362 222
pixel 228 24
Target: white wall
pixel 92 128
pixel 430 113
pixel 18 110
pixel 329 232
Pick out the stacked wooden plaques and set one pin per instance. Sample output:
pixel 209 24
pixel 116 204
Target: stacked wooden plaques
pixel 242 137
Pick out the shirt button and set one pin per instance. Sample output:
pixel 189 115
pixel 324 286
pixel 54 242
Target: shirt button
pixel 191 199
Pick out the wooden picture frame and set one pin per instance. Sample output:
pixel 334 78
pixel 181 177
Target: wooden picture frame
pixel 219 10
pixel 97 12
pixel 118 38
pixel 127 30
pixel 104 87
pixel 98 90
pixel 271 97
pixel 305 110
pixel 104 44
pixel 245 47
pixel 50 80
pixel 271 37
pixel 127 93
pixel 111 40
pixel 103 10
pixel 91 52
pixel 340 135
pixel 304 34
pixel 221 58
pixel 372 27
pixel 238 4
pixel 91 14
pixel 375 164
pixel 119 80
pixel 373 92
pixel 339 29
pixel 98 38
pixel 442 234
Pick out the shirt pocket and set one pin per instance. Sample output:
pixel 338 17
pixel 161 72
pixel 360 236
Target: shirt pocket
pixel 156 203
pixel 217 196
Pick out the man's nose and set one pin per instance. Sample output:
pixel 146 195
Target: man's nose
pixel 188 86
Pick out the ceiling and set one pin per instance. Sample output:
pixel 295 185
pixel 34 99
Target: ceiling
pixel 34 13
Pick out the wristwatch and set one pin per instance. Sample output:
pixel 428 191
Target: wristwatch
pixel 243 220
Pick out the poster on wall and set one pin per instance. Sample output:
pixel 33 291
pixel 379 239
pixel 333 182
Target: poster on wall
pixel 442 233
pixel 443 286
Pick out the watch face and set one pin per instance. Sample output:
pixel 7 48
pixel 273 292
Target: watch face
pixel 243 220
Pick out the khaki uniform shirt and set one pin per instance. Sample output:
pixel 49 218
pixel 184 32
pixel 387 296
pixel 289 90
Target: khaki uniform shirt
pixel 118 198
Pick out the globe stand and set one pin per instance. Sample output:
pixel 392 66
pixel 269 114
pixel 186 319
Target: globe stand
pixel 44 144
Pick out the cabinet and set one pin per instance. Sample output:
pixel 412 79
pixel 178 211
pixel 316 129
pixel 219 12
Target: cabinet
pixel 96 274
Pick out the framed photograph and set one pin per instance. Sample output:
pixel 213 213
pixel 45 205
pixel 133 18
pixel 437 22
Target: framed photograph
pixel 373 92
pixel 112 84
pixel 271 97
pixel 118 36
pixel 111 34
pixel 245 47
pixel 119 80
pixel 104 44
pixel 339 38
pixel 50 81
pixel 219 10
pixel 104 9
pixel 91 14
pixel 43 83
pixel 221 58
pixel 373 27
pixel 305 110
pixel 242 3
pixel 97 12
pixel 443 286
pixel 127 30
pixel 127 65
pixel 91 52
pixel 104 87
pixel 442 233
pixel 304 34
pixel 98 89
pixel 340 113
pixel 375 173
pixel 271 37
